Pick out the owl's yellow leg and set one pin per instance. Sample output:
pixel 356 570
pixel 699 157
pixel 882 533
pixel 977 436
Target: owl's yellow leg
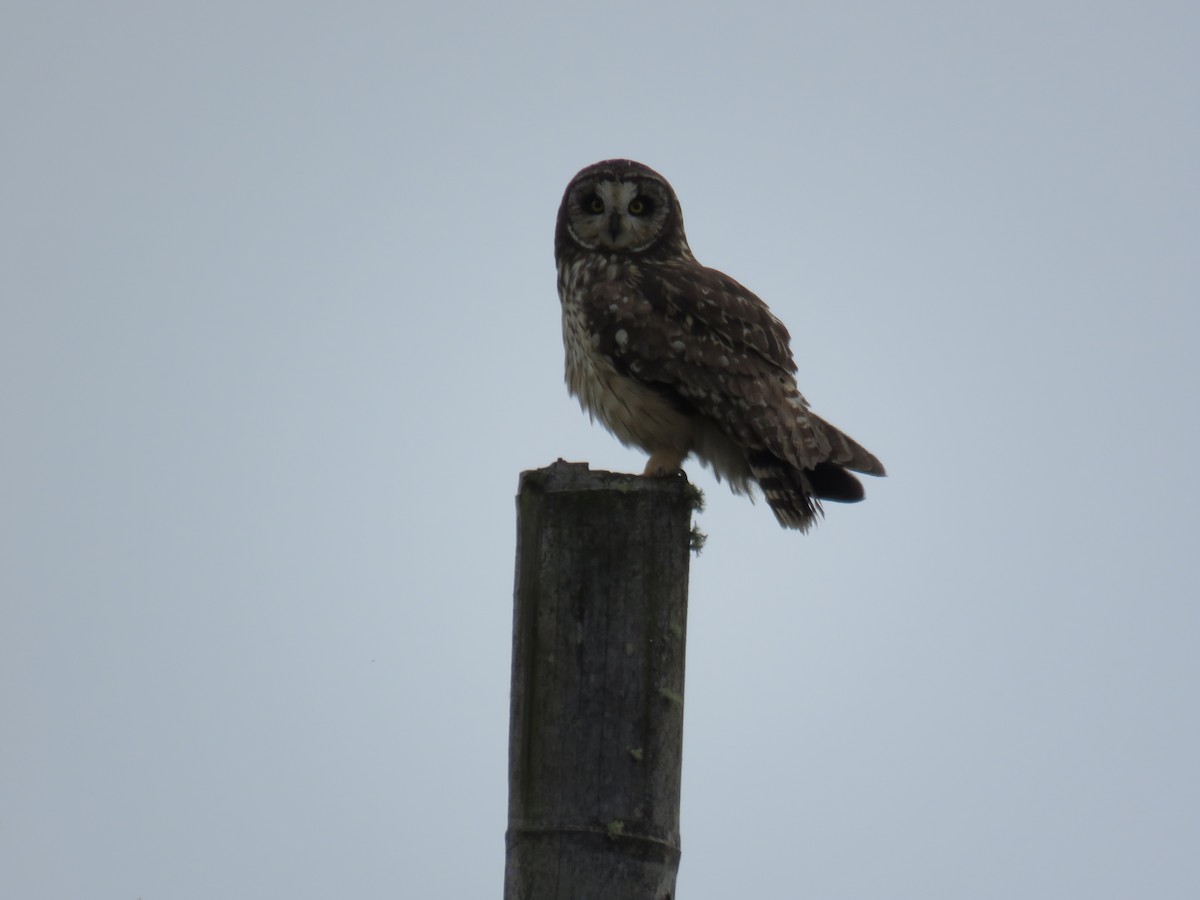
pixel 664 462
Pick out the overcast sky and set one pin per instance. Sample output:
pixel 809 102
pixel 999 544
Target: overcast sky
pixel 279 331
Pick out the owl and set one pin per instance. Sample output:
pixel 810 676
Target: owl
pixel 679 359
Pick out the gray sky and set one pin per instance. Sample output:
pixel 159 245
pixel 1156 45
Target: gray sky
pixel 279 331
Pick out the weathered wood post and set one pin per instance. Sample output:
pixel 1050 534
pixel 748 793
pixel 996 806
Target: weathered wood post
pixel 596 730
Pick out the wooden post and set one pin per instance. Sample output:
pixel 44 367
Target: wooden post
pixel 596 730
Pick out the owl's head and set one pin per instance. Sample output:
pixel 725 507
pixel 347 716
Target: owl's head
pixel 620 206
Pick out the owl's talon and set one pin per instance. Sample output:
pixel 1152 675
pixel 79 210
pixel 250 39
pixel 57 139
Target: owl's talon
pixel 663 463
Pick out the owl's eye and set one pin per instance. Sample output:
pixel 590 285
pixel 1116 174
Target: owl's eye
pixel 593 204
pixel 639 206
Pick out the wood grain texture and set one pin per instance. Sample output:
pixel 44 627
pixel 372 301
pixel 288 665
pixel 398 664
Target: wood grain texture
pixel 596 731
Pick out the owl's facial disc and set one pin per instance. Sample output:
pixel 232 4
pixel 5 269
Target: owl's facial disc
pixel 611 214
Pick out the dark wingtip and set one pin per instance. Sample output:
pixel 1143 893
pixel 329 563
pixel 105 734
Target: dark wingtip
pixel 830 482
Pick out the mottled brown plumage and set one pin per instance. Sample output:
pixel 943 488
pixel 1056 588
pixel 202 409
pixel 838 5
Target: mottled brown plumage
pixel 679 359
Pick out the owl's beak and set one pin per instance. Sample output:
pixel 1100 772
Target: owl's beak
pixel 614 225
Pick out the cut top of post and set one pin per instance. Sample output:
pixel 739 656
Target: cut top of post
pixel 567 477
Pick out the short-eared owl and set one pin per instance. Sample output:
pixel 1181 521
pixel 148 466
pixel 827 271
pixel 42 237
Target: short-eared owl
pixel 676 358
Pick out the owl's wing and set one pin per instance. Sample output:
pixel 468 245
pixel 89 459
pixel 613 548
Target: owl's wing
pixel 713 347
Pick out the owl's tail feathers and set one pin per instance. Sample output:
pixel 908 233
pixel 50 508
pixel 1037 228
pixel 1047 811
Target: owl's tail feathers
pixel 788 490
pixel 795 495
pixel 795 492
